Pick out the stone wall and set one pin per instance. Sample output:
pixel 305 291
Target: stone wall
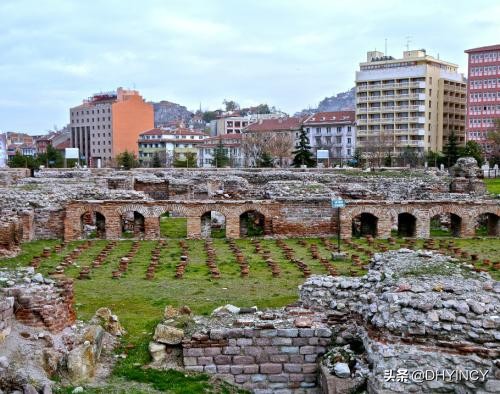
pixel 288 217
pixel 48 223
pixel 157 190
pixel 415 311
pixel 6 316
pixel 40 302
pixel 11 234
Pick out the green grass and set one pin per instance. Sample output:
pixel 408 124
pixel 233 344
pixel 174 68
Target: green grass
pixel 493 185
pixel 172 227
pixel 139 303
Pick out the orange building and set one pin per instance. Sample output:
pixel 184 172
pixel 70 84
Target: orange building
pixel 109 123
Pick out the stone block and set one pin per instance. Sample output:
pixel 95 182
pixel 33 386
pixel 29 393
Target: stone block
pixel 231 350
pixel 205 360
pixel 271 368
pixel 289 349
pixel 251 369
pixel 210 369
pixel 243 360
pixel 308 350
pixel 222 359
pixel 288 332
pixel 306 332
pixel 293 368
pixel 280 378
pixel 212 351
pixel 281 341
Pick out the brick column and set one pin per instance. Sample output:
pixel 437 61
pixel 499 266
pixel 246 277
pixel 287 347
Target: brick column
pixel 113 227
pixel 468 226
pixel 193 227
pixel 423 227
pixel 151 228
pixel 384 226
pixel 233 226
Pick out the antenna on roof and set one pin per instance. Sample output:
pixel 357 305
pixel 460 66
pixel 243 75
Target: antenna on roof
pixel 386 47
pixel 408 41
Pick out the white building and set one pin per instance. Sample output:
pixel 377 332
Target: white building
pixel 332 131
pixel 168 143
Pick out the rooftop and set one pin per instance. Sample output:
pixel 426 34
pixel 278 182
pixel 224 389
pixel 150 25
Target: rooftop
pixel 331 117
pixel 482 49
pixel 280 124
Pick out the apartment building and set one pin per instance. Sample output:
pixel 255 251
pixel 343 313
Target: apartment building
pixel 334 131
pixel 109 123
pixel 235 124
pixel 168 144
pixel 483 94
pixel 416 101
pixel 231 144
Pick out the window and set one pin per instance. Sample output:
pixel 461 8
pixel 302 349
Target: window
pixel 339 129
pixel 328 130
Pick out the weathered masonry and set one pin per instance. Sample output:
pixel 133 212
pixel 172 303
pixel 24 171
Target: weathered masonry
pixel 290 217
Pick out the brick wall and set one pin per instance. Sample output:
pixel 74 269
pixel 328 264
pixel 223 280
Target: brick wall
pixel 43 305
pixel 155 190
pixel 267 359
pixel 49 223
pixel 11 233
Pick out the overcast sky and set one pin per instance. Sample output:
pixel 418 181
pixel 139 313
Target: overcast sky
pixel 287 53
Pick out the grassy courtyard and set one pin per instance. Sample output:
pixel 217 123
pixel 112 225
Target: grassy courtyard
pixel 493 185
pixel 139 302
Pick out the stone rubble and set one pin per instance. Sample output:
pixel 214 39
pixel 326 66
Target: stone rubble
pixel 40 339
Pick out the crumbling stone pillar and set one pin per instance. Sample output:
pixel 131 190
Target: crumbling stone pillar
pixel 423 229
pixel 233 226
pixel 27 218
pixel 151 227
pixel 113 227
pixel 193 227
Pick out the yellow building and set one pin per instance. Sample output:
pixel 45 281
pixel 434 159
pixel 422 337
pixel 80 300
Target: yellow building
pixel 415 102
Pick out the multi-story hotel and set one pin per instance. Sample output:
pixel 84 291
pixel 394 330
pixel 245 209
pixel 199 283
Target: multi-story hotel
pixel 109 123
pixel 416 102
pixel 483 95
pixel 332 131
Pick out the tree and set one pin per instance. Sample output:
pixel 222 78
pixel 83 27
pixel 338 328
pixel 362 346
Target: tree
pixel 188 160
pixel 51 158
pixel 357 158
pixel 473 149
pixel 221 158
pixel 208 116
pixel 265 160
pixel 451 150
pixel 262 109
pixel 231 105
pixel 127 160
pixel 156 162
pixel 434 159
pixel 302 152
pixel 409 156
pixel 20 161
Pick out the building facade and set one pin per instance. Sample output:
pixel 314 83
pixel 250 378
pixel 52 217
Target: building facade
pixel 109 123
pixel 235 124
pixel 483 94
pixel 276 137
pixel 416 101
pixel 168 144
pixel 334 131
pixel 231 143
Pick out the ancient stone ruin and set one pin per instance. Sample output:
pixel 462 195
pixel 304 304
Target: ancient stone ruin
pixel 40 339
pixel 413 313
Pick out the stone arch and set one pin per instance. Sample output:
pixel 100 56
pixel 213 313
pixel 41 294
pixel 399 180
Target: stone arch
pixel 87 220
pixel 364 224
pixel 213 224
pixel 92 225
pixel 487 223
pixel 252 223
pixel 446 224
pixel 407 225
pixel 172 220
